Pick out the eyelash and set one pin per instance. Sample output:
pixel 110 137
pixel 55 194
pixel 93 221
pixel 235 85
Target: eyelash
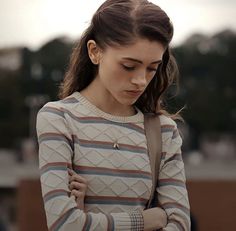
pixel 128 68
pixel 152 69
pixel 132 68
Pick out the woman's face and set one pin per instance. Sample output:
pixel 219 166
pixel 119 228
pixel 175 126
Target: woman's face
pixel 125 71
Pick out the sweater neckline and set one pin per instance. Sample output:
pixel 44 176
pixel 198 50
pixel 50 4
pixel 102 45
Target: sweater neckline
pixel 138 117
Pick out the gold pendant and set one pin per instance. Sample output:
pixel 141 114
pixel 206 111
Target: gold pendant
pixel 116 146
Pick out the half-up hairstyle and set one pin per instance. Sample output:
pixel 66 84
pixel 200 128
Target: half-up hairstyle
pixel 120 22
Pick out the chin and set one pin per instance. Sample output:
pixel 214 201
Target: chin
pixel 128 102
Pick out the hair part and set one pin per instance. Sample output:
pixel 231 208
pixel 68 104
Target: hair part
pixel 120 22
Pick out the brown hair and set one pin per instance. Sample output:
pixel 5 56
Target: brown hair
pixel 118 22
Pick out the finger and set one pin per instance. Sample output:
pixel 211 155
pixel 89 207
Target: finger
pixel 77 194
pixel 78 186
pixel 74 185
pixel 78 178
pixel 71 171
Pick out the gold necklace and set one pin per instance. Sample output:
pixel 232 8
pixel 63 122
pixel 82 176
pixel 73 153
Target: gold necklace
pixel 116 145
pixel 115 140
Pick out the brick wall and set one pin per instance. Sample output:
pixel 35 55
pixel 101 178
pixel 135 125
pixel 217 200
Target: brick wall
pixel 30 211
pixel 213 205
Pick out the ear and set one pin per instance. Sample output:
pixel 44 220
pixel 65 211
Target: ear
pixel 94 52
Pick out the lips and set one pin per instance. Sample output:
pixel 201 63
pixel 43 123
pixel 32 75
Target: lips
pixel 134 93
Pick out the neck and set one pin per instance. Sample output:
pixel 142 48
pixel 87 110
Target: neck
pixel 105 102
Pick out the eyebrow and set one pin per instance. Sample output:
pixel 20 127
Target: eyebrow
pixel 139 61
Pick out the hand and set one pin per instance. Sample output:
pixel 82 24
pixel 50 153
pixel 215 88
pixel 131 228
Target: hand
pixel 159 221
pixel 78 187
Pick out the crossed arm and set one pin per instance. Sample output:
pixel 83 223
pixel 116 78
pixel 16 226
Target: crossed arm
pixel 171 190
pixel 78 186
pixel 64 212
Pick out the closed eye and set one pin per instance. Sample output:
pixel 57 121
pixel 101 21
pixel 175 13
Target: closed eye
pixel 128 68
pixel 132 68
pixel 152 69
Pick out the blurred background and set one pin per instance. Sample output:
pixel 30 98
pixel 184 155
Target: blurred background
pixel 36 39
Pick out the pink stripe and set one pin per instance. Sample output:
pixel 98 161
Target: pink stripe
pixel 56 164
pixel 56 191
pixel 176 205
pixel 136 127
pixel 110 226
pixel 53 134
pixel 102 169
pixel 87 223
pixel 61 220
pixel 167 126
pixel 116 198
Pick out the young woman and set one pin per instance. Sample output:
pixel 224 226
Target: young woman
pixel 118 71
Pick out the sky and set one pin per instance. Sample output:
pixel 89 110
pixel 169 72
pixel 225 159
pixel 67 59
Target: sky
pixel 32 23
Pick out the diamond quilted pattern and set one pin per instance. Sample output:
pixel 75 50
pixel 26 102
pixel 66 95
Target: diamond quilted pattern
pixel 53 180
pixel 136 138
pixel 139 161
pixel 140 188
pixel 49 154
pixel 116 161
pixel 119 186
pixel 91 131
pixel 56 207
pixel 92 157
pixel 95 186
pixel 173 170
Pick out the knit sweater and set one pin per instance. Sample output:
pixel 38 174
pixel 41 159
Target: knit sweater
pixel 110 152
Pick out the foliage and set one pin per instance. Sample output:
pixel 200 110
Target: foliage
pixel 207 84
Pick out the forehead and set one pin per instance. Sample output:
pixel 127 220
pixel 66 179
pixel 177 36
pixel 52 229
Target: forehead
pixel 142 49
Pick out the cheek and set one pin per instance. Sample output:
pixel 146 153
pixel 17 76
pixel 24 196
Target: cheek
pixel 113 73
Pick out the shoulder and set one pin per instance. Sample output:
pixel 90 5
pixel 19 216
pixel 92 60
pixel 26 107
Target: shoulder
pixel 54 112
pixel 53 116
pixel 51 110
pixel 59 107
pixel 167 122
pixel 169 130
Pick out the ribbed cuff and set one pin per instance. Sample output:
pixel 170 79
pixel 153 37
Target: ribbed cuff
pixel 122 221
pixel 128 221
pixel 137 222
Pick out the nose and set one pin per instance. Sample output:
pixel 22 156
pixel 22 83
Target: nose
pixel 139 79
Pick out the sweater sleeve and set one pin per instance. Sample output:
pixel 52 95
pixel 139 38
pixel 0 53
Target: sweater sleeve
pixel 171 189
pixel 55 157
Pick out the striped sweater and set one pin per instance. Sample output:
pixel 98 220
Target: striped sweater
pixel 111 153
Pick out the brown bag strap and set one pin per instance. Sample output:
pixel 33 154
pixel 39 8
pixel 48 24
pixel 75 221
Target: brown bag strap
pixel 154 144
